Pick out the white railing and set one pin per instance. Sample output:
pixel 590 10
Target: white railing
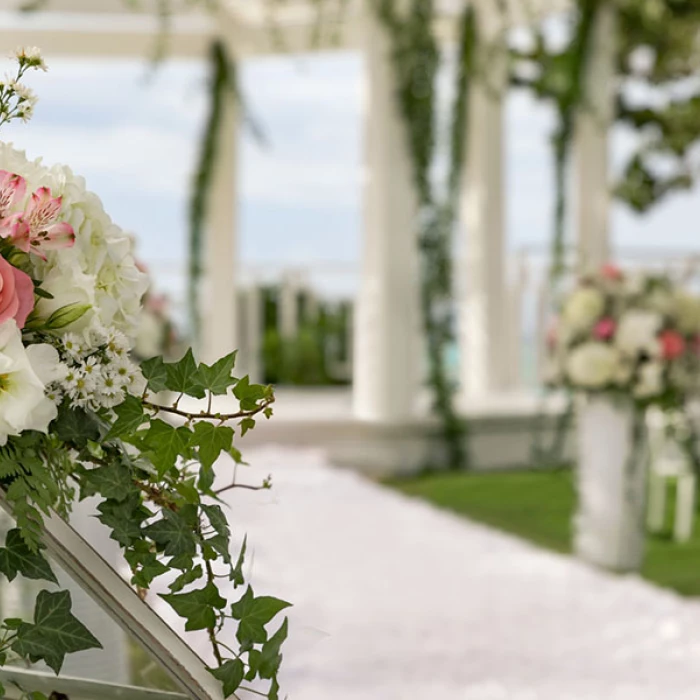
pixel 18 682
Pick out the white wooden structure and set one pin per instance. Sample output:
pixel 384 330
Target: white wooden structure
pixel 388 355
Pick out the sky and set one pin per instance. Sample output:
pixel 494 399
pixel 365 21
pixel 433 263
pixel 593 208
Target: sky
pixel 133 133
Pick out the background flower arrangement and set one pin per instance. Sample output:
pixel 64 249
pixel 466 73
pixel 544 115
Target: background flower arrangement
pixel 79 417
pixel 636 335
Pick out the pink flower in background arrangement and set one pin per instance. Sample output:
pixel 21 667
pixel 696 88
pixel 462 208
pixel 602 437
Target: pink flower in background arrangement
pixel 672 345
pixel 16 294
pixel 36 229
pixel 552 335
pixel 605 329
pixel 611 272
pixel 12 189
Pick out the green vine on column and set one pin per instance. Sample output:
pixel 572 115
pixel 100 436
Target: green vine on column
pixel 416 59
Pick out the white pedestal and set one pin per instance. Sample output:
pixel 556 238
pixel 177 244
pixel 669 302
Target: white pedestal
pixel 609 526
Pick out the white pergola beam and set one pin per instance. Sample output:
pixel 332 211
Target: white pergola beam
pixel 117 37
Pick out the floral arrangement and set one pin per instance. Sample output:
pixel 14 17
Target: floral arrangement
pixel 79 417
pixel 636 334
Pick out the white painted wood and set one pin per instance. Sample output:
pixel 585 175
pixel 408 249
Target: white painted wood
pixel 112 37
pixel 97 578
pixel 219 301
pixel 481 284
pixel 685 507
pixel 656 510
pixel 387 350
pixel 593 123
pixel 609 527
pixel 288 305
pixel 74 688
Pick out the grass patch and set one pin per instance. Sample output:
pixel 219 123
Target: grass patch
pixel 538 506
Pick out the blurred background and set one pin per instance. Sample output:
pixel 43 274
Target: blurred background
pixel 296 240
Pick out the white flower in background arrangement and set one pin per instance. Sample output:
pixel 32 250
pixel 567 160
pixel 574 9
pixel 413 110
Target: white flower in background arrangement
pixel 593 365
pixel 23 376
pixel 637 333
pixel 582 309
pixel 651 380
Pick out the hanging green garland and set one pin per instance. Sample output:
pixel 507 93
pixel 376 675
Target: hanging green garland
pixel 416 59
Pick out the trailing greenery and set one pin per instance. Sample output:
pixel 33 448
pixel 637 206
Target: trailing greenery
pixel 416 58
pixel 153 466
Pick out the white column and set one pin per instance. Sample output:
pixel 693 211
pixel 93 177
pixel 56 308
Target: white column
pixel 219 307
pixel 481 282
pixel 591 144
pixel 387 342
pixel 288 306
pixel 249 358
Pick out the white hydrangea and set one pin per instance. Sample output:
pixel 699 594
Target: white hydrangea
pixel 593 365
pixel 638 333
pixel 100 268
pixel 582 309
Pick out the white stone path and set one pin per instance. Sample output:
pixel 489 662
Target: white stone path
pixel 395 600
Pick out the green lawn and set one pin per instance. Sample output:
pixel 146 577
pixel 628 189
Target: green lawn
pixel 538 506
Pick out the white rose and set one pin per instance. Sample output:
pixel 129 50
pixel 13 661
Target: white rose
pixel 583 308
pixel 637 333
pixel 650 381
pixel 23 402
pixel 686 308
pixel 593 365
pixel 75 288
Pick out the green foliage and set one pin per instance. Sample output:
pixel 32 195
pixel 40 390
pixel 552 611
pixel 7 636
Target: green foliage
pixel 54 633
pixel 416 60
pixel 153 467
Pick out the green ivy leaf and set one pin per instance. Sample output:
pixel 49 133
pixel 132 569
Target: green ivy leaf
pixel 125 518
pixel 230 674
pixel 217 378
pixel 185 578
pixel 271 658
pixel 237 573
pixel 212 440
pixel 274 693
pixel 184 377
pixel 198 607
pixel 206 479
pixel 217 519
pixel 130 417
pixel 16 557
pixel 253 614
pixel 112 482
pixel 155 374
pixel 174 533
pixel 75 426
pixel 165 444
pixel 246 425
pixel 55 632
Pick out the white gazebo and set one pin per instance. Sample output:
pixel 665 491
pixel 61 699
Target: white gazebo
pixel 388 353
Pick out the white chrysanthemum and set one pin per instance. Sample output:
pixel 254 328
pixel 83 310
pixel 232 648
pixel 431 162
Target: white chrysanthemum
pixel 582 309
pixel 638 332
pixel 593 365
pixel 24 373
pixel 100 268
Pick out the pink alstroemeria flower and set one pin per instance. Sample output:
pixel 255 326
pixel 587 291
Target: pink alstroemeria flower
pixel 12 189
pixel 36 229
pixel 605 329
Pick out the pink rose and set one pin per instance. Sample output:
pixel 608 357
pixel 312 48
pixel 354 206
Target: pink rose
pixel 16 294
pixel 605 329
pixel 672 345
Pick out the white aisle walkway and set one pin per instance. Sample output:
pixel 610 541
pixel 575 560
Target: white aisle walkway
pixel 397 601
